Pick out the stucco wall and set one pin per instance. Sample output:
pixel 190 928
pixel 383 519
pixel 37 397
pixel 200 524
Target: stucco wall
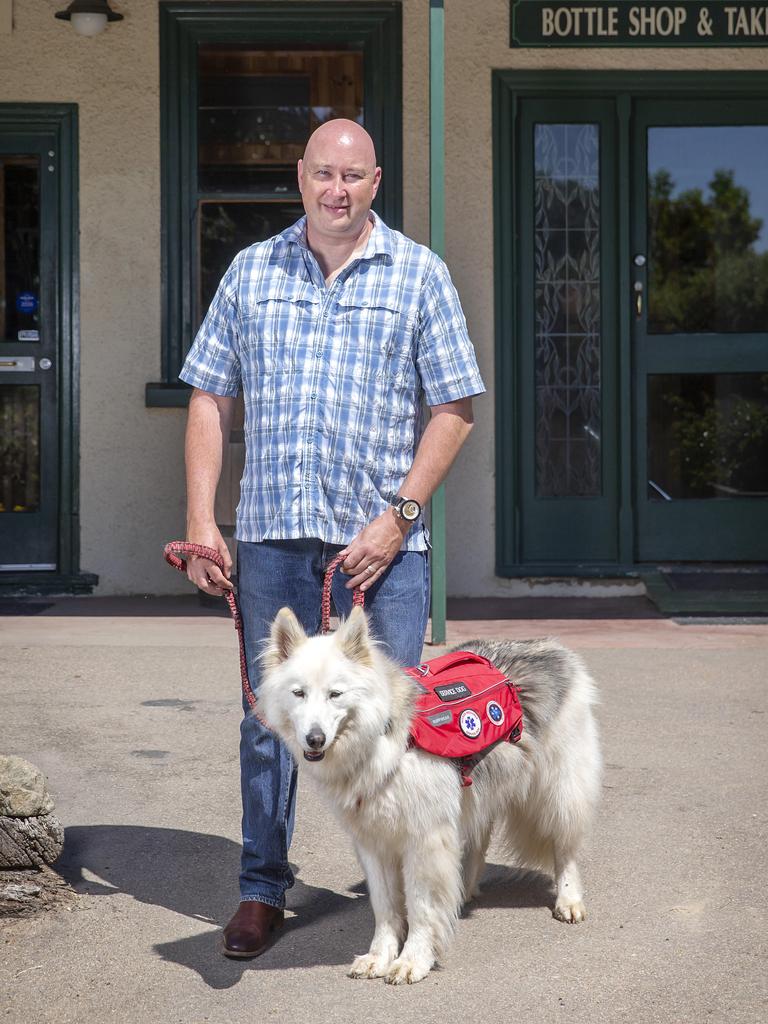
pixel 132 490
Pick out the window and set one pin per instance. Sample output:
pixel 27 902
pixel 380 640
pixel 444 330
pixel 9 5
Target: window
pixel 242 87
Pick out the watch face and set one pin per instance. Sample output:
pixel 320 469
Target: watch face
pixel 410 510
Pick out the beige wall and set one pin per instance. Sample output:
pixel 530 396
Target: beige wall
pixel 132 495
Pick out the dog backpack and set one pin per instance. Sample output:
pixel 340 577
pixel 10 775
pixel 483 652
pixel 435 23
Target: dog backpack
pixel 465 705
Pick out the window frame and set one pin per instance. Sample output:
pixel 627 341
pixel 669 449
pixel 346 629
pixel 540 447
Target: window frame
pixel 375 26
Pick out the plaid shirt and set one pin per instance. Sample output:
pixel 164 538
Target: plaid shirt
pixel 333 378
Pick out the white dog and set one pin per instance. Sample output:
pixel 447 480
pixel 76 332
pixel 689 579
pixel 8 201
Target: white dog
pixel 421 838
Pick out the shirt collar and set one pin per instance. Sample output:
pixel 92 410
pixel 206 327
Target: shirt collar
pixel 380 242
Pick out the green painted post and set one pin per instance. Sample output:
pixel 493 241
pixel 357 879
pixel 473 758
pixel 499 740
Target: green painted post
pixel 437 244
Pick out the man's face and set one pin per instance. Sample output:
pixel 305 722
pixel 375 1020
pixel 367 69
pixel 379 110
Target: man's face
pixel 338 182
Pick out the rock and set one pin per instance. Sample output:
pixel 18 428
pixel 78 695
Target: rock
pixel 30 842
pixel 23 792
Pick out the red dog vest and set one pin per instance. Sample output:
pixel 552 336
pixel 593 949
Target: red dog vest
pixel 465 705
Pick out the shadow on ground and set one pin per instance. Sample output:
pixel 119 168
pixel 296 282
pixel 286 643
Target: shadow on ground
pixel 194 874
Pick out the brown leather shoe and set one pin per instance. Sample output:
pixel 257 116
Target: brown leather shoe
pixel 250 931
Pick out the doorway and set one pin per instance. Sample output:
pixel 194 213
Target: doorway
pixel 38 380
pixel 632 320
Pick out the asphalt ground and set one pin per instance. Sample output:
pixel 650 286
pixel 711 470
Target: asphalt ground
pixel 133 714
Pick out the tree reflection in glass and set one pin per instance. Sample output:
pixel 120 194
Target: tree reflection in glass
pixel 708 247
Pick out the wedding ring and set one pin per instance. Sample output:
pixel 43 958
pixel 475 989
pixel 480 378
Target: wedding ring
pixel 369 568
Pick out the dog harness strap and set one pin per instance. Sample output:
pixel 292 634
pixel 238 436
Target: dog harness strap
pixel 358 597
pixel 176 554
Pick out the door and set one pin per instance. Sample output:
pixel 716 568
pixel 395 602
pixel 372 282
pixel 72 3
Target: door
pixel 29 442
pixel 699 311
pixel 632 320
pixel 565 369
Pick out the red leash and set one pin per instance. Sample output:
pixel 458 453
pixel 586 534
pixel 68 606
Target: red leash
pixel 176 554
pixel 358 597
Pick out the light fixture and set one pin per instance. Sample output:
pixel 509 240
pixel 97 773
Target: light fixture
pixel 89 17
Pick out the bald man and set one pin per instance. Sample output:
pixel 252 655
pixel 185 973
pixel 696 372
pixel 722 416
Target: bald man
pixel 336 331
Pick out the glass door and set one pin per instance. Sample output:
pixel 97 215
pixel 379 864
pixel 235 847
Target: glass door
pixel 29 461
pixel 699 279
pixel 567 349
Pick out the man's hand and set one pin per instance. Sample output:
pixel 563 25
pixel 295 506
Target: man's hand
pixel 369 554
pixel 202 571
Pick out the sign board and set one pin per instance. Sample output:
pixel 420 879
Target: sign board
pixel 629 24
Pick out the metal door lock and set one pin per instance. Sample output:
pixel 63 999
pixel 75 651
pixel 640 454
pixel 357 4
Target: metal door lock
pixel 45 363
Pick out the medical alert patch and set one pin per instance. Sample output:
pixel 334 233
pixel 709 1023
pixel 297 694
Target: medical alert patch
pixel 470 724
pixel 495 712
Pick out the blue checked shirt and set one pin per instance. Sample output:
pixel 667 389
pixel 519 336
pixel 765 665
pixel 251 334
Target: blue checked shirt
pixel 333 378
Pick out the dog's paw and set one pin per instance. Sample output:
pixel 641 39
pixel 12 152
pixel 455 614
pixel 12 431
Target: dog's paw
pixel 570 911
pixel 369 966
pixel 405 971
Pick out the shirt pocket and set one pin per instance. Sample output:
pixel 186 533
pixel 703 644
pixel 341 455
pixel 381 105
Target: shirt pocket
pixel 378 339
pixel 277 330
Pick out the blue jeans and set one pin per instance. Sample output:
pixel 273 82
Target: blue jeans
pixel 272 574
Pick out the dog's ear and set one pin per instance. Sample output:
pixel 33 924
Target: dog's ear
pixel 352 637
pixel 286 635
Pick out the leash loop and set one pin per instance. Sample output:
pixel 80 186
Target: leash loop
pixel 358 597
pixel 176 554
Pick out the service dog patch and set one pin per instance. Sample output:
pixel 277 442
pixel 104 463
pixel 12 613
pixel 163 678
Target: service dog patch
pixel 456 691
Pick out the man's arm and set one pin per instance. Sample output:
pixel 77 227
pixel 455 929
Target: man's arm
pixel 378 543
pixel 208 426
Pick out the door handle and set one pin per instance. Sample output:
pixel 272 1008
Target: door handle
pixel 18 364
pixel 638 300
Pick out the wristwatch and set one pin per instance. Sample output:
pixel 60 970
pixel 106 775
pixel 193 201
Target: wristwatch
pixel 406 508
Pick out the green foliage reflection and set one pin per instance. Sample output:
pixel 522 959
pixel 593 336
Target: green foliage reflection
pixel 705 273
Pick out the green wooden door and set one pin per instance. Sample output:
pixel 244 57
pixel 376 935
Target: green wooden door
pixel 29 347
pixel 564 461
pixel 699 311
pixel 631 256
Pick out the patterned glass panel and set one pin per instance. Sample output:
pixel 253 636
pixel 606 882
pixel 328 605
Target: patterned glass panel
pixel 567 313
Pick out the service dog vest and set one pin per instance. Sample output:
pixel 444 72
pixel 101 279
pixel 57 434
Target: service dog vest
pixel 465 705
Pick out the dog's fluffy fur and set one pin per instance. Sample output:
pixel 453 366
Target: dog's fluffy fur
pixel 343 707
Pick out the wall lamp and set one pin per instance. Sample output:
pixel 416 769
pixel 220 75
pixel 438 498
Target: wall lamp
pixel 89 17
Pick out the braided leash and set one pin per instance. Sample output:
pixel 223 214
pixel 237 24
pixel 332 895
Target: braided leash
pixel 358 597
pixel 176 554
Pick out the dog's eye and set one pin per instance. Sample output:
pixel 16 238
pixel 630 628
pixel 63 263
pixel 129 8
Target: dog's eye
pixel 334 694
pixel 298 693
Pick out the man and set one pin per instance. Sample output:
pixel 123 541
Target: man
pixel 335 330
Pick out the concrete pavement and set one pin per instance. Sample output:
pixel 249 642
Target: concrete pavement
pixel 131 709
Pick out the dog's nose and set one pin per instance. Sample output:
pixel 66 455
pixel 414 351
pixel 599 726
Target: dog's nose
pixel 315 739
